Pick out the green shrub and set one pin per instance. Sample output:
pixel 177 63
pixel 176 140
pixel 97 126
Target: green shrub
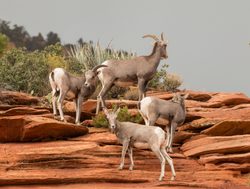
pixel 24 71
pixel 163 80
pixel 89 55
pixel 100 120
pixel 4 40
pixel 172 82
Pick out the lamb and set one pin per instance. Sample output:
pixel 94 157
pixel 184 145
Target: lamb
pixel 128 133
pixel 138 70
pixel 77 88
pixel 151 108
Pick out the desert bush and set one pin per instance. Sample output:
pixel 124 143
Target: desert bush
pixel 172 82
pixel 24 71
pixel 131 94
pixel 100 120
pixel 90 55
pixel 4 40
pixel 163 80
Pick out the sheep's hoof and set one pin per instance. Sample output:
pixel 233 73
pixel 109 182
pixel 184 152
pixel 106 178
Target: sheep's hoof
pixel 161 178
pixel 78 123
pixel 131 168
pixel 172 178
pixel 55 116
pixel 169 149
pixel 120 167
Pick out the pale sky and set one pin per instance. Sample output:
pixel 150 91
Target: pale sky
pixel 208 39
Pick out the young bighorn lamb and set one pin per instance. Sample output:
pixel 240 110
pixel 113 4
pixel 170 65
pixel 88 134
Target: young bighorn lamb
pixel 77 88
pixel 151 108
pixel 128 133
pixel 138 70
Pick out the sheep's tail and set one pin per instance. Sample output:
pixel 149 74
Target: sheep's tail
pixel 52 76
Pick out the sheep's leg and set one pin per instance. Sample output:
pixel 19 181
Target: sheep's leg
pixel 161 157
pixel 152 119
pixel 101 95
pixel 172 132
pixel 54 102
pixel 124 150
pixel 130 153
pixel 144 118
pixel 60 102
pixel 78 109
pixel 168 136
pixel 142 88
pixel 170 162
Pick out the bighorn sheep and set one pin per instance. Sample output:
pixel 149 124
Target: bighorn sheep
pixel 151 108
pixel 128 133
pixel 128 72
pixel 77 88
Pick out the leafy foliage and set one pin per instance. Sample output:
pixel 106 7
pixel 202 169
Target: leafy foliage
pixel 23 71
pixel 21 38
pixel 164 80
pixel 4 40
pixel 100 120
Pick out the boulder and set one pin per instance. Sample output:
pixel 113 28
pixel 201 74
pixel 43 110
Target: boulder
pixel 198 96
pixel 227 99
pixel 35 128
pixel 181 136
pixel 24 110
pixel 216 144
pixel 221 158
pixel 17 98
pixel 229 128
pixel 199 124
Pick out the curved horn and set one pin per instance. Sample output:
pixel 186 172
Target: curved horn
pixel 162 36
pixel 98 66
pixel 151 36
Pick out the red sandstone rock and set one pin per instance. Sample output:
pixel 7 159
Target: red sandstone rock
pixel 24 111
pixel 17 98
pixel 217 144
pixel 35 128
pixel 228 128
pixel 221 158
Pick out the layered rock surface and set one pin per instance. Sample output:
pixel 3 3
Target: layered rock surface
pixel 211 150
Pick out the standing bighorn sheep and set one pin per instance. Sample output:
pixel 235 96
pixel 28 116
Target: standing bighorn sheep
pixel 151 108
pixel 128 133
pixel 77 88
pixel 128 72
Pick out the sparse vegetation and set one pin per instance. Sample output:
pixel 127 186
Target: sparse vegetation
pixel 165 81
pixel 100 120
pixel 26 69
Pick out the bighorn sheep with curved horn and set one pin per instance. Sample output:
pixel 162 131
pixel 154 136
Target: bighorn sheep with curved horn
pixel 77 88
pixel 138 70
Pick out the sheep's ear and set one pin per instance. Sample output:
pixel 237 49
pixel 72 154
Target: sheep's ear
pixel 106 112
pixel 117 111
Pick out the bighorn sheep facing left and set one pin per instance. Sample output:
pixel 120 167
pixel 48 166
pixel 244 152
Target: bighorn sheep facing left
pixel 151 108
pixel 77 88
pixel 128 133
pixel 138 70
